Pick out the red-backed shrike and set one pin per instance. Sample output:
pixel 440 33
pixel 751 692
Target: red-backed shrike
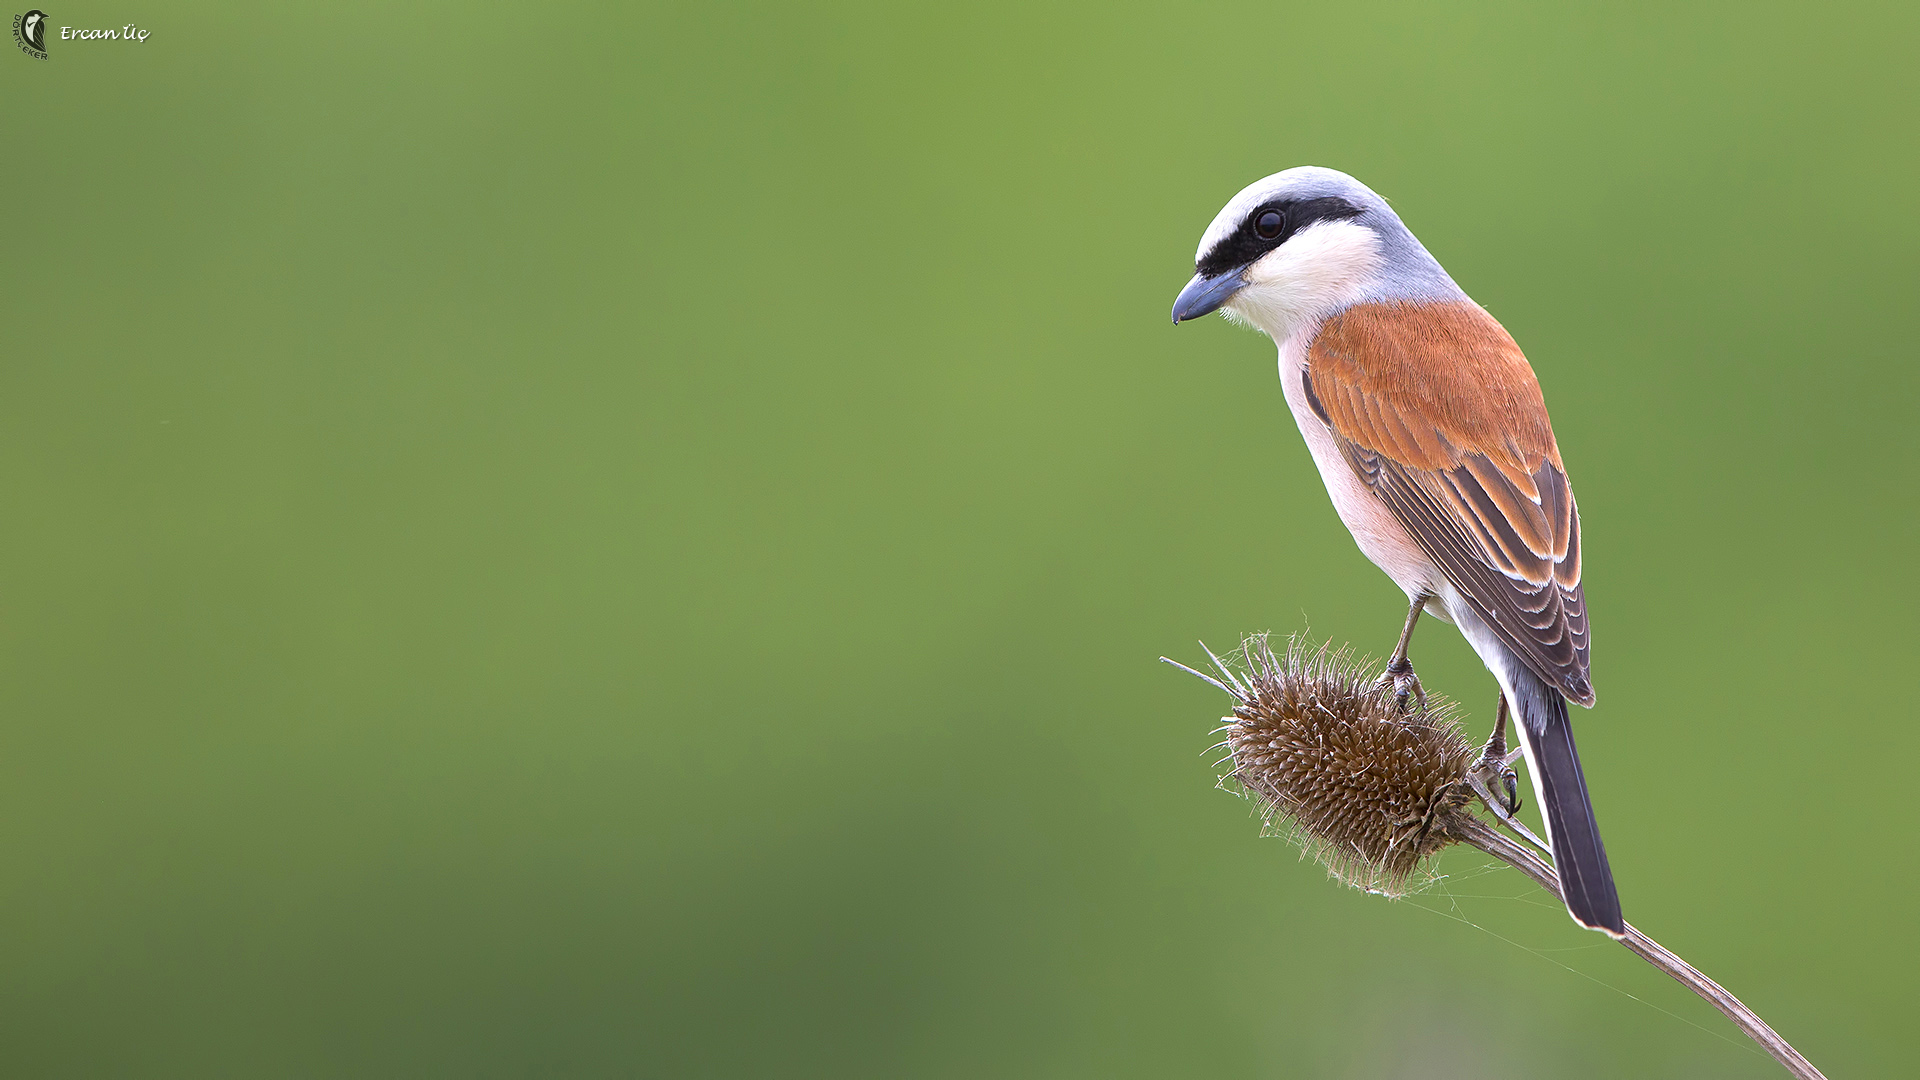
pixel 1433 440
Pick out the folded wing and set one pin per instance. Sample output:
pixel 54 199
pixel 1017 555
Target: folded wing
pixel 1438 411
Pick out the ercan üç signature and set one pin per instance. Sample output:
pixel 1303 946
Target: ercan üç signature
pixel 128 32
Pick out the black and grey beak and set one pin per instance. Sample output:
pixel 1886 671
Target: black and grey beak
pixel 1205 294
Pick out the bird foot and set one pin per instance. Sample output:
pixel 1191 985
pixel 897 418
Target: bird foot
pixel 1399 675
pixel 1495 768
pixel 1493 779
pixel 1494 774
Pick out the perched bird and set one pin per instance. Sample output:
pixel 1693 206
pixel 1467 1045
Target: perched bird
pixel 1432 437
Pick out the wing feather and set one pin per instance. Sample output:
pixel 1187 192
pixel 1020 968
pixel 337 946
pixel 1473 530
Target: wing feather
pixel 1439 414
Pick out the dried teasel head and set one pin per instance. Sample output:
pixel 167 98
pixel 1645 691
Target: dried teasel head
pixel 1319 744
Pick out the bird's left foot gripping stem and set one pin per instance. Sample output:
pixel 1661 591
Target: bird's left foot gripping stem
pixel 1493 773
pixel 1495 768
pixel 1399 673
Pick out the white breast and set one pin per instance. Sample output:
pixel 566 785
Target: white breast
pixel 1381 538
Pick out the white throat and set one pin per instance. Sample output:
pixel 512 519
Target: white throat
pixel 1319 270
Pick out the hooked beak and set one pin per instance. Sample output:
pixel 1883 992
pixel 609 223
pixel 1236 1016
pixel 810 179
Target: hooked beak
pixel 1205 294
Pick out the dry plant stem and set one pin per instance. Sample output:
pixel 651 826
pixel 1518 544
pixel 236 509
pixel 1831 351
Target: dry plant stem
pixel 1497 844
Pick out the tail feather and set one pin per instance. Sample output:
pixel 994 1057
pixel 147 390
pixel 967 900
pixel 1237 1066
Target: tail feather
pixel 1578 854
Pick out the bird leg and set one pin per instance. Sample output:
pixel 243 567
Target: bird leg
pixel 1399 671
pixel 1494 771
pixel 1496 766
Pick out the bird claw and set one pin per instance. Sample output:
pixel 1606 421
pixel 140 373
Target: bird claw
pixel 1496 767
pixel 1495 774
pixel 1491 775
pixel 1400 677
pixel 1494 771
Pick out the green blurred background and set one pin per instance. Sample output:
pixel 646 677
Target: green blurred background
pixel 633 541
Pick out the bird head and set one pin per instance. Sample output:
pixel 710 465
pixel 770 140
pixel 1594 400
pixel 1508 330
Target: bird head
pixel 1301 244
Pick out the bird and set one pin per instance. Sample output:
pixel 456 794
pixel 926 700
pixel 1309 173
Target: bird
pixel 1431 434
pixel 34 28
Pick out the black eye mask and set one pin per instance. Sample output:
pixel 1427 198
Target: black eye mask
pixel 1245 244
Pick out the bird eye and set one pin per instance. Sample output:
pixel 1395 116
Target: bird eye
pixel 1269 224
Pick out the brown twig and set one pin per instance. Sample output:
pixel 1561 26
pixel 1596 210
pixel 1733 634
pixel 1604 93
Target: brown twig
pixel 1474 831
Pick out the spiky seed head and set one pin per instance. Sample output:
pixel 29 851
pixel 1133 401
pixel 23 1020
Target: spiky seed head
pixel 1317 741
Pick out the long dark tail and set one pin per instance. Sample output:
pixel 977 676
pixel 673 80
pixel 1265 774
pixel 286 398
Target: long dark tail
pixel 1578 854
